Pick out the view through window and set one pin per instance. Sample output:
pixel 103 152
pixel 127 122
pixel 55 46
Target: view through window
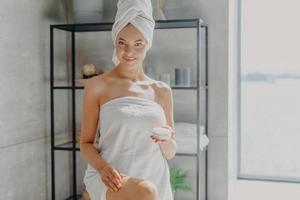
pixel 269 133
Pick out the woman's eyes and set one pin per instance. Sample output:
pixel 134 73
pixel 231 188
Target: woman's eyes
pixel 137 44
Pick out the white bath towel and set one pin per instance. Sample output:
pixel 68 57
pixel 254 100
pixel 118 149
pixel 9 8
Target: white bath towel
pixel 139 14
pixel 186 137
pixel 126 124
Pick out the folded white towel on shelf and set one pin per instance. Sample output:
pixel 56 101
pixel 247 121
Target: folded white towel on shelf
pixel 139 14
pixel 186 137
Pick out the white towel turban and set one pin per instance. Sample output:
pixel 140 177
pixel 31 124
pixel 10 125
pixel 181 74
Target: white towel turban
pixel 139 14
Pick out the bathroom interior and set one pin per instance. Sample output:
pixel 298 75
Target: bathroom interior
pixel 228 147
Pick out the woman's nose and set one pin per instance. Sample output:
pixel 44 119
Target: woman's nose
pixel 129 50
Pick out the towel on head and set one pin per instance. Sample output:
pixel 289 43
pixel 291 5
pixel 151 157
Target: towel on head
pixel 139 14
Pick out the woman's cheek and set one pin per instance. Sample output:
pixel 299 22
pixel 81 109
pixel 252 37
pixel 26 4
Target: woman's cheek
pixel 142 54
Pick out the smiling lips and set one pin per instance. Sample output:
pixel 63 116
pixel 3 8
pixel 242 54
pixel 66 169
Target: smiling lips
pixel 129 59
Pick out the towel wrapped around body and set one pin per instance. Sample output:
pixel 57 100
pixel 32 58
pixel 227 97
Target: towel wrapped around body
pixel 125 126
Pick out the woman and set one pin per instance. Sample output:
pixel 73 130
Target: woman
pixel 130 162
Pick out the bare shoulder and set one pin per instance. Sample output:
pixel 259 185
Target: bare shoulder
pixel 94 83
pixel 162 88
pixel 95 86
pixel 163 92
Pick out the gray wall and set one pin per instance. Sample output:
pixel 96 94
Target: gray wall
pixel 25 116
pixel 24 102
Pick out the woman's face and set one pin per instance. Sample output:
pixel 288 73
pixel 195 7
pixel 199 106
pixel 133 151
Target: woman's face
pixel 130 45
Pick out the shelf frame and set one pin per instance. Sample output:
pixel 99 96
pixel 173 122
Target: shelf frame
pixel 106 26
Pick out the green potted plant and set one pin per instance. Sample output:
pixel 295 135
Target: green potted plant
pixel 178 179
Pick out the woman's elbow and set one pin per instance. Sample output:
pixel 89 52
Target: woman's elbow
pixel 82 145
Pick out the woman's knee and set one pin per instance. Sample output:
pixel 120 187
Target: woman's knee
pixel 146 190
pixel 133 189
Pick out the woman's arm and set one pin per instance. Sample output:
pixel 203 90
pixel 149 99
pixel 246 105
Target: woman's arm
pixel 168 147
pixel 89 125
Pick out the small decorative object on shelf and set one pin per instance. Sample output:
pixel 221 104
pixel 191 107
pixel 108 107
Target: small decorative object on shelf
pixel 183 76
pixel 178 180
pixel 88 71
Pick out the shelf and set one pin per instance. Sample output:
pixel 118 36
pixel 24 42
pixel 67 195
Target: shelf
pixel 67 87
pixel 64 141
pixel 186 154
pixel 192 87
pixel 174 87
pixel 107 26
pixel 68 147
pixel 187 145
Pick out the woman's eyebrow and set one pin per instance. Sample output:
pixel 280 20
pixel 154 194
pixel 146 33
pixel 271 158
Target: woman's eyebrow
pixel 135 41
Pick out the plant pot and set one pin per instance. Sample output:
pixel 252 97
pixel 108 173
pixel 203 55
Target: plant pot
pixel 88 11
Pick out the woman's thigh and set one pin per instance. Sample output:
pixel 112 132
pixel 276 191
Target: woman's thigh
pixel 131 189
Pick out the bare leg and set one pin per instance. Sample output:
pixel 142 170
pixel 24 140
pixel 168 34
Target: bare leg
pixel 133 189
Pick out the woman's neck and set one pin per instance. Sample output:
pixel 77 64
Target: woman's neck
pixel 133 73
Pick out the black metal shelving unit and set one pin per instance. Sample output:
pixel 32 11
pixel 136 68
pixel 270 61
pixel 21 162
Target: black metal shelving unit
pixel 72 146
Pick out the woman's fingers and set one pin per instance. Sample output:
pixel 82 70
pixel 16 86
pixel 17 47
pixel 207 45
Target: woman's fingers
pixel 111 177
pixel 111 182
pixel 115 185
pixel 120 173
pixel 154 138
pixel 116 173
pixel 115 178
pixel 157 140
pixel 116 182
pixel 112 186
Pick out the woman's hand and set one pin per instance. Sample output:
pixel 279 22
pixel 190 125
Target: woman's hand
pixel 111 177
pixel 156 139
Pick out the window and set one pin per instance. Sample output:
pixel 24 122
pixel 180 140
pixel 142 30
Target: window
pixel 269 128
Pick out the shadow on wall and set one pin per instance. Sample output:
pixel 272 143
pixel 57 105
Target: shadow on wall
pixel 56 9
